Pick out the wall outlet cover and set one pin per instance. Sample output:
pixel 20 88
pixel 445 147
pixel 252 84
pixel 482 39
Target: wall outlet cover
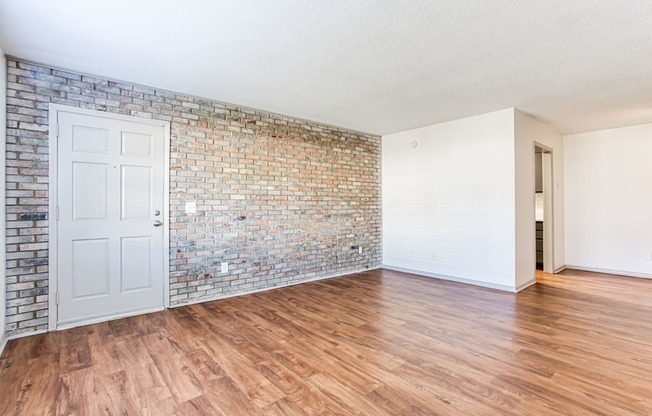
pixel 191 207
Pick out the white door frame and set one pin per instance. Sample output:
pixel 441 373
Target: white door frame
pixel 53 278
pixel 548 177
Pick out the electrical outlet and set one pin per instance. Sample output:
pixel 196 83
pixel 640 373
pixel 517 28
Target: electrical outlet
pixel 647 256
pixel 224 267
pixel 360 250
pixel 191 207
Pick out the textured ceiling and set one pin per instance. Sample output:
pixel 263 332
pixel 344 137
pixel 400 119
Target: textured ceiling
pixel 375 66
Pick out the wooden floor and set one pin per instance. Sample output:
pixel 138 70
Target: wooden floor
pixel 375 343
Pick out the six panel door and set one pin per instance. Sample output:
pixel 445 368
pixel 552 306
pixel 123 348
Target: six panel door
pixel 111 186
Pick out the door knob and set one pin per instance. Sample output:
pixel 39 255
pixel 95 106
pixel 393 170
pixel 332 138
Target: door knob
pixel 157 223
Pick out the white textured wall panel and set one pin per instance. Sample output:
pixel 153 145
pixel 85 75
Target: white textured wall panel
pixel 448 203
pixel 609 199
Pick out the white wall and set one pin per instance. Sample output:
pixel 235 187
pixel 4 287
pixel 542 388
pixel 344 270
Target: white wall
pixel 3 239
pixel 609 200
pixel 449 203
pixel 527 131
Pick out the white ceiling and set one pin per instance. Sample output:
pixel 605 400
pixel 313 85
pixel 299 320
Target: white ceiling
pixel 377 66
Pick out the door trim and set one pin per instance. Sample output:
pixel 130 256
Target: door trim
pixel 548 214
pixel 53 279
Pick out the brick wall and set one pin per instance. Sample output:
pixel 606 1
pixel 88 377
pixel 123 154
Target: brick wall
pixel 281 199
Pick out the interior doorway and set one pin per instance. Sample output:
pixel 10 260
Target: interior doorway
pixel 544 212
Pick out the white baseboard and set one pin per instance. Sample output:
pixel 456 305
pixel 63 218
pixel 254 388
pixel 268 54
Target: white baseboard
pixel 526 285
pixel 26 334
pixel 251 292
pixel 609 271
pixel 506 288
pixel 3 343
pixel 559 269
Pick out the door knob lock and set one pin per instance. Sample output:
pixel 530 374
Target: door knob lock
pixel 157 223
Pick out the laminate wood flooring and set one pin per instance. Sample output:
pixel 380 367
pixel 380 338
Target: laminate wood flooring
pixel 373 343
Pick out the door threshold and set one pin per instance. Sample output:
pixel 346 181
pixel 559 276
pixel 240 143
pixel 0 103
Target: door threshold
pixel 97 319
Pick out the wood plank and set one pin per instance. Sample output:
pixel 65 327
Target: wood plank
pixel 174 367
pixel 141 383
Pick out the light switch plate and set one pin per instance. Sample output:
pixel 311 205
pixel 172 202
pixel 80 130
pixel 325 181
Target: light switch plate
pixel 191 207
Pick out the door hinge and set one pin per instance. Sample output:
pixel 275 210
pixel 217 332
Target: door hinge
pixel 57 129
pixel 57 296
pixel 57 213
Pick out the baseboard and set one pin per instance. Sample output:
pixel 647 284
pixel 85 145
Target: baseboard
pixel 526 285
pixel 11 336
pixel 68 325
pixel 251 292
pixel 3 343
pixel 609 271
pixel 505 288
pixel 559 269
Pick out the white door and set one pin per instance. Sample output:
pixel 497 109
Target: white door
pixel 110 200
